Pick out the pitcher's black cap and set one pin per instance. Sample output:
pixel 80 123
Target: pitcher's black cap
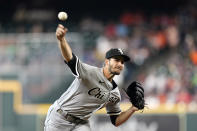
pixel 116 52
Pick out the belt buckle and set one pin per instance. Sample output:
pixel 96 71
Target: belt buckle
pixel 67 116
pixel 70 118
pixel 73 119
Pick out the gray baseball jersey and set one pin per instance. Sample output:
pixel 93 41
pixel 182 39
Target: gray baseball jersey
pixel 89 92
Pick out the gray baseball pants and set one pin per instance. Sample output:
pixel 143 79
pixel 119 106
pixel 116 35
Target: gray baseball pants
pixel 56 122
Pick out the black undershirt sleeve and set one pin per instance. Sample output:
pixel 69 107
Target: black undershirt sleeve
pixel 72 64
pixel 113 119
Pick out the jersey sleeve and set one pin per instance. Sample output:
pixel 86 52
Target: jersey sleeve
pixel 113 109
pixel 78 68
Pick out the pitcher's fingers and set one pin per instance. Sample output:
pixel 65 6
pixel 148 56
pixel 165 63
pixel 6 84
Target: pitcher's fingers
pixel 58 34
pixel 65 29
pixel 60 26
pixel 60 30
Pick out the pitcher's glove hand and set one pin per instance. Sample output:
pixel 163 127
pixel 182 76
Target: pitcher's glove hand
pixel 135 92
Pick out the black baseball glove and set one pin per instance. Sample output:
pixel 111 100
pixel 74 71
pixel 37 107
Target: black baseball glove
pixel 135 92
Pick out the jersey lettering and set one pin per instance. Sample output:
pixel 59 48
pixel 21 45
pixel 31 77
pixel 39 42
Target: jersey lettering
pixel 96 92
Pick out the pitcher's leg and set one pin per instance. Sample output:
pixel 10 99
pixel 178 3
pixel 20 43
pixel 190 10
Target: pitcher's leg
pixel 82 127
pixel 54 128
pixel 55 122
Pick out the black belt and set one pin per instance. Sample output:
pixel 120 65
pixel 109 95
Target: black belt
pixel 71 118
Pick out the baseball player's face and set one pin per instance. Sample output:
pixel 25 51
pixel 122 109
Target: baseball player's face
pixel 116 65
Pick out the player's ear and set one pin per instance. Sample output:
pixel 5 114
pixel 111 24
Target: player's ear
pixel 106 62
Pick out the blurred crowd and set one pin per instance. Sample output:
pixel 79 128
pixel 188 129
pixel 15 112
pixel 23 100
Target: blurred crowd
pixel 162 48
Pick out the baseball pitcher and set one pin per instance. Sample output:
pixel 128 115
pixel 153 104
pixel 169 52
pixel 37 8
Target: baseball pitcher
pixel 92 89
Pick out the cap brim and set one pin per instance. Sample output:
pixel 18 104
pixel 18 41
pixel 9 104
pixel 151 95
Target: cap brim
pixel 125 57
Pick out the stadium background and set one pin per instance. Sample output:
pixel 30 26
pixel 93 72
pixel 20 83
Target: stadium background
pixel 159 36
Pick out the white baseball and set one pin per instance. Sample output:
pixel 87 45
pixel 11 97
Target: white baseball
pixel 62 16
